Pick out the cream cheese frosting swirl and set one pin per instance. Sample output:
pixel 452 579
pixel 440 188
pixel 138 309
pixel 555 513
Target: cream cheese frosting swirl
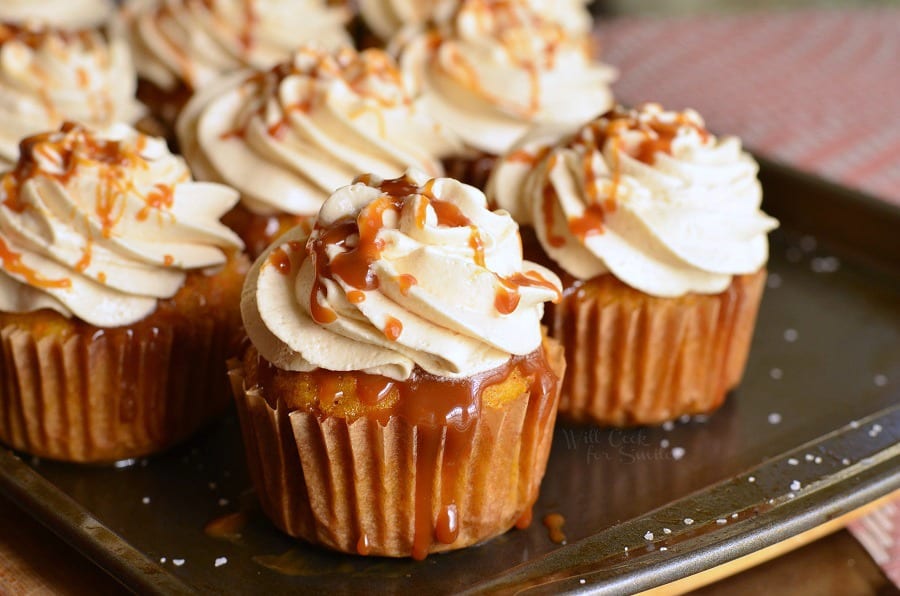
pixel 67 14
pixel 195 41
pixel 102 225
pixel 397 274
pixel 288 137
pixel 48 76
pixel 648 195
pixel 499 68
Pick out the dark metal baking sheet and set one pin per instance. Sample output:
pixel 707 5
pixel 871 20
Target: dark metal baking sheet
pixel 813 432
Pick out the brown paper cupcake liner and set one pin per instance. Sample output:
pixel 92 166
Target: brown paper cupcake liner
pixel 636 359
pixel 396 489
pixel 107 395
pixel 473 170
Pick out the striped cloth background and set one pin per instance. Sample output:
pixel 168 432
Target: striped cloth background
pixel 819 90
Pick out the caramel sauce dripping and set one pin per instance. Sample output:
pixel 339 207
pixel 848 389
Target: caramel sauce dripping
pixel 356 297
pixel 444 412
pixel 168 260
pixel 354 68
pixel 554 523
pixel 507 297
pixel 359 237
pixel 12 263
pixel 656 137
pixel 362 545
pixel 279 259
pixel 67 150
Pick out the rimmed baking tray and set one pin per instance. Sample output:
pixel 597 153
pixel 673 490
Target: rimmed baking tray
pixel 812 433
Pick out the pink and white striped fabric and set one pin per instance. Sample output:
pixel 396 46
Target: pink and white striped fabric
pixel 819 90
pixel 879 533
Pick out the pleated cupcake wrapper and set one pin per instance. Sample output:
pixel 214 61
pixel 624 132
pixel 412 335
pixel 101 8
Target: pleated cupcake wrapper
pixel 635 359
pixel 107 395
pixel 358 487
pixel 474 170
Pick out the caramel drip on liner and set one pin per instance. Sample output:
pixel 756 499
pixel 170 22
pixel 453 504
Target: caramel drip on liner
pixel 444 412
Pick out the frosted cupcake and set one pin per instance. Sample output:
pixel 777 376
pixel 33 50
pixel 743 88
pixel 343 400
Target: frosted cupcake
pixel 65 14
pixel 119 293
pixel 498 69
pixel 180 46
pixel 48 76
pixel 397 398
pixel 656 228
pixel 383 19
pixel 288 137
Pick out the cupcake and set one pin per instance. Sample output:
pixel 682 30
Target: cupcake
pixel 65 14
pixel 655 226
pixel 51 75
pixel 397 397
pixel 383 19
pixel 180 46
pixel 498 69
pixel 119 297
pixel 286 138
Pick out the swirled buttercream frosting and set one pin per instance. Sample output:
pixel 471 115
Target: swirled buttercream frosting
pixel 48 76
pixel 499 68
pixel 192 42
pixel 648 195
pixel 388 17
pixel 67 14
pixel 102 225
pixel 288 137
pixel 397 274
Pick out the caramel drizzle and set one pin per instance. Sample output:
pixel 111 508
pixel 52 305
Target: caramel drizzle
pixel 12 263
pixel 356 69
pixel 516 27
pixel 358 236
pixel 656 137
pixel 68 150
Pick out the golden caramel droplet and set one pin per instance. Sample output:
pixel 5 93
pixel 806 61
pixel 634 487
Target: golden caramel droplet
pixel 406 281
pixel 554 523
pixel 362 545
pixel 280 260
pixel 393 328
pixel 447 528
